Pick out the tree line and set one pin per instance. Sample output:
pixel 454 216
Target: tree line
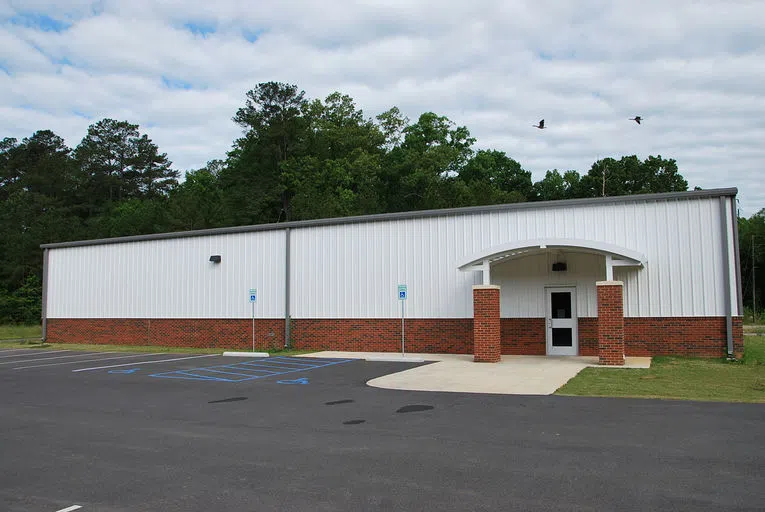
pixel 297 158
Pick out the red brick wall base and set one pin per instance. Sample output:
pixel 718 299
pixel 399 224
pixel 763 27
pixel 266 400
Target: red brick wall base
pixel 487 346
pixel 168 332
pixel 610 323
pixel 436 335
pixel 427 335
pixel 689 336
pixel 523 336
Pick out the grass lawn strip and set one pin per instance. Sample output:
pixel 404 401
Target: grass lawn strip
pixel 681 378
pixel 15 332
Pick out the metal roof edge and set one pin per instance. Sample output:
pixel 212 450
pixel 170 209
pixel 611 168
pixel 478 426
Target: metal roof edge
pixel 417 214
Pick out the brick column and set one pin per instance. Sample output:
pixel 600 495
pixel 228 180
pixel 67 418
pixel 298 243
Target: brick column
pixel 486 333
pixel 610 323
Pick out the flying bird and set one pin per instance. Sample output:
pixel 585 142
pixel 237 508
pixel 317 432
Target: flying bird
pixel 541 125
pixel 637 119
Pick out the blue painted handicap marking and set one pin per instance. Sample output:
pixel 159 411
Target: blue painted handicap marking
pixel 251 370
pixel 296 381
pixel 132 370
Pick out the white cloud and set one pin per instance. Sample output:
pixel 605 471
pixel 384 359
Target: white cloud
pixel 693 69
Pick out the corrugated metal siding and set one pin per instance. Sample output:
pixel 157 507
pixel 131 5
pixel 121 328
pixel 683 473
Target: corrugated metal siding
pixel 522 283
pixel 684 274
pixel 356 268
pixel 351 270
pixel 732 255
pixel 170 278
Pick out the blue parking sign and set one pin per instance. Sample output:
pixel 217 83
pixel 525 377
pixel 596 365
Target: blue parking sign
pixel 253 295
pixel 402 292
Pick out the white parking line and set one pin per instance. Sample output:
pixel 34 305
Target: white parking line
pixel 7 350
pixel 88 360
pixel 35 359
pixel 36 352
pixel 145 362
pixel 70 509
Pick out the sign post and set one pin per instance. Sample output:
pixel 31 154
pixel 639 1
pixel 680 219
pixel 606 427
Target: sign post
pixel 402 298
pixel 253 300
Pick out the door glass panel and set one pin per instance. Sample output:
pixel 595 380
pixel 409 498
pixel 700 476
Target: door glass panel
pixel 560 303
pixel 561 337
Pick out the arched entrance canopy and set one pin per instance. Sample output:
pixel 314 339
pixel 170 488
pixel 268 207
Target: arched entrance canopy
pixel 616 256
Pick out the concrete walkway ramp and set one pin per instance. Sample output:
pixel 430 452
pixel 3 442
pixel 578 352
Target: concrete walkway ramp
pixel 514 375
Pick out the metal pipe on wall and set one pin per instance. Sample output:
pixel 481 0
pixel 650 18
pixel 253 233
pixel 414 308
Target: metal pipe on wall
pixel 726 272
pixel 737 255
pixel 287 322
pixel 44 315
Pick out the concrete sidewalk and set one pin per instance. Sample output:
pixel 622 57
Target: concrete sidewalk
pixel 514 375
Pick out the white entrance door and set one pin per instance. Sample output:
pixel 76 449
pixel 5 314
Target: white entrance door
pixel 562 336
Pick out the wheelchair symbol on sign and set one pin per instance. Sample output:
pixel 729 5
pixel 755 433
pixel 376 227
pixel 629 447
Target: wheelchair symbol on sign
pixel 132 370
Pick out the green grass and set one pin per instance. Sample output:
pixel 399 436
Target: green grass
pixel 136 348
pixel 681 378
pixel 15 332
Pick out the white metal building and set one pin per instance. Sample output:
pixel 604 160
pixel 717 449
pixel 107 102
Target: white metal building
pixel 333 283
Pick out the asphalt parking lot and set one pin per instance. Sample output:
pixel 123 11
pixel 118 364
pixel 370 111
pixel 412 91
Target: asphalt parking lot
pixel 175 432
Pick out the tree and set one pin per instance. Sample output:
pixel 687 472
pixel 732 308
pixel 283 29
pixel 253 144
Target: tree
pixel 197 202
pixel 752 254
pixel 552 187
pixel 274 130
pixel 37 192
pixel 301 159
pixel 422 172
pixel 116 162
pixel 339 175
pixel 131 217
pixel 40 164
pixel 628 175
pixel 392 124
pixel 493 177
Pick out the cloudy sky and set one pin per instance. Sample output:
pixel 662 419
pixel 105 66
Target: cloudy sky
pixel 695 70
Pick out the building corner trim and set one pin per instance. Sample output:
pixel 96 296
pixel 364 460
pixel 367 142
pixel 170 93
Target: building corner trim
pixel 737 256
pixel 726 272
pixel 44 310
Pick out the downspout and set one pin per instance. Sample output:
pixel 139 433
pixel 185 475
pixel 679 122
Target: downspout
pixel 727 281
pixel 739 288
pixel 287 326
pixel 45 296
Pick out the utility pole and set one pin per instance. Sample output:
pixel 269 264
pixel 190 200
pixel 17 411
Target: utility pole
pixel 754 287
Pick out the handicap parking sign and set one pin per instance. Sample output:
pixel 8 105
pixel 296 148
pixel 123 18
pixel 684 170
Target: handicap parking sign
pixel 253 295
pixel 402 292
